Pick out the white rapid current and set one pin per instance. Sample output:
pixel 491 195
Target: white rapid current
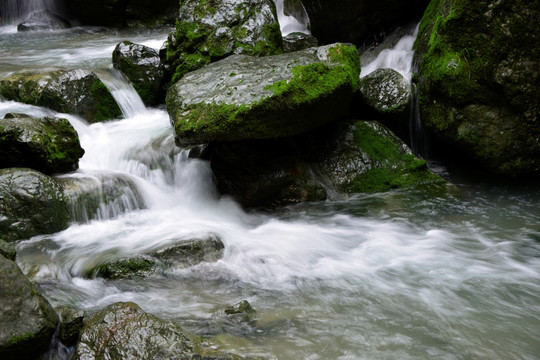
pixel 399 57
pixel 290 23
pixel 399 275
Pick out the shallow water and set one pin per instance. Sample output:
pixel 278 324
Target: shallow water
pixel 398 275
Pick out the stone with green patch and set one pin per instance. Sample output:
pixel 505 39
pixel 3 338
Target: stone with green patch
pixel 478 79
pixel 50 145
pixel 76 91
pixel 387 92
pixel 267 97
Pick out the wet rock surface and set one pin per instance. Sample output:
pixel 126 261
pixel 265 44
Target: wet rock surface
pixel 43 20
pixel 49 145
pixel 387 92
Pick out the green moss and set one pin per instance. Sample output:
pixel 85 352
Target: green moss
pixel 125 268
pixel 16 339
pixel 393 170
pixel 106 108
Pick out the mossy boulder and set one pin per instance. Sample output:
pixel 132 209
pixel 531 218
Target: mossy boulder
pixel 43 20
pixel 478 67
pixel 387 92
pixel 142 66
pixel 135 267
pixel 334 161
pixel 50 145
pixel 31 203
pixel 27 320
pixel 245 97
pixel 361 22
pixel 77 91
pixel 210 30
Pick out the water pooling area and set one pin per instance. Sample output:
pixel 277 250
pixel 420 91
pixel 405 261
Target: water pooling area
pixel 408 274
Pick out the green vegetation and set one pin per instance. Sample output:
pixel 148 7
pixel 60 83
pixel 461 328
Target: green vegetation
pixel 106 108
pixel 393 168
pixel 125 268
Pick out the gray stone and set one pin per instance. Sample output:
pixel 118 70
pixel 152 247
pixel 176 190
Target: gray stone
pixel 387 92
pixel 71 323
pixel 77 91
pixel 7 251
pixel 31 203
pixel 142 66
pixel 49 145
pixel 191 252
pixel 27 320
pixel 245 97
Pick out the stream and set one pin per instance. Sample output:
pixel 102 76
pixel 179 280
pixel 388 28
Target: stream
pixel 410 274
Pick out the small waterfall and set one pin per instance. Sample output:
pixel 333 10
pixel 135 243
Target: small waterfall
pixel 125 95
pixel 417 136
pixel 292 17
pixel 14 10
pixel 399 57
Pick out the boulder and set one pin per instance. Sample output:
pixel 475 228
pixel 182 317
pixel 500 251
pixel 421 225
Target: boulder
pixel 50 145
pixel 246 97
pixel 78 92
pixel 43 20
pixel 27 320
pixel 241 310
pixel 7 251
pixel 298 41
pixel 361 22
pixel 479 74
pixel 31 203
pixel 336 160
pixel 207 31
pixel 142 66
pixel 124 331
pixel 387 92
pixel 136 267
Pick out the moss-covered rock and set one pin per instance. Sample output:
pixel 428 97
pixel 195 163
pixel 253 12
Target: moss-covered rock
pixel 78 92
pixel 209 30
pixel 245 97
pixel 31 203
pixel 27 320
pixel 50 145
pixel 142 66
pixel 479 75
pixel 128 268
pixel 333 161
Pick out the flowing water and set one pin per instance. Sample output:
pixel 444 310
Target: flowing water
pixel 398 275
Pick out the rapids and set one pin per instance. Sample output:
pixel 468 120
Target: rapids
pixel 397 275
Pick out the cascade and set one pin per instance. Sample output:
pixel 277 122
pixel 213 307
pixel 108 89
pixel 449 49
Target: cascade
pixel 14 10
pixel 292 18
pixel 398 57
pixel 418 138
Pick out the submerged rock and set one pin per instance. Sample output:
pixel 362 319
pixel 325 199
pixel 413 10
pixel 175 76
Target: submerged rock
pixel 78 92
pixel 212 30
pixel 244 97
pixel 184 254
pixel 142 66
pixel 43 20
pixel 27 320
pixel 31 203
pixel 241 309
pixel 479 76
pixel 334 161
pixel 387 92
pixel 50 145
pixel 101 196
